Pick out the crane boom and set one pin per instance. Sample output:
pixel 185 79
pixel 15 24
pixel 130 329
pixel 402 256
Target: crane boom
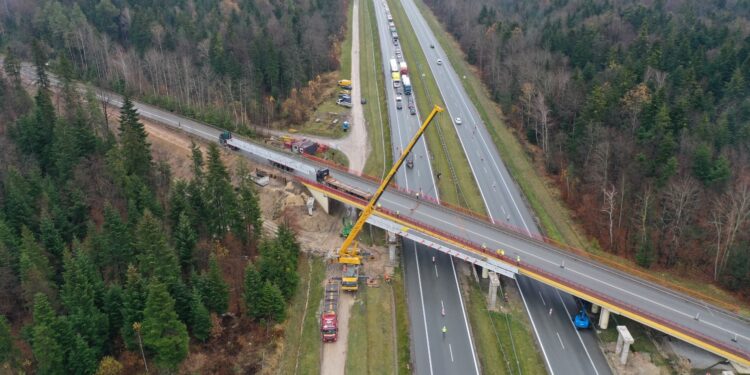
pixel 350 256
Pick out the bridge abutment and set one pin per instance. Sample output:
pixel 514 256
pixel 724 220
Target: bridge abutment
pixel 604 319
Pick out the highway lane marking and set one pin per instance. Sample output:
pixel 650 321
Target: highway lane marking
pixel 436 272
pixel 466 321
pixel 442 305
pixel 450 348
pixel 540 296
pixel 586 276
pixel 424 315
pixel 533 325
pixel 559 338
pixel 577 333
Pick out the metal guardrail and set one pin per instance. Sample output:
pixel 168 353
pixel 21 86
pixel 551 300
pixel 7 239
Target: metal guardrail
pixel 586 292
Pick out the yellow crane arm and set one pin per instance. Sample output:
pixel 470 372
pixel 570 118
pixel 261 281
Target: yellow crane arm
pixel 352 258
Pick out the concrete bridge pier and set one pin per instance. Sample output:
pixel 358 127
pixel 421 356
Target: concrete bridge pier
pixel 624 339
pixel 392 247
pixel 594 308
pixel 322 199
pixel 485 272
pixel 604 319
pixel 492 296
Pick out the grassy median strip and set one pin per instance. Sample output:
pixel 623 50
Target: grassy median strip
pixel 462 191
pixel 373 89
pixel 551 213
pixel 403 343
pixel 302 349
pixel 505 344
pixel 345 66
pixel 371 335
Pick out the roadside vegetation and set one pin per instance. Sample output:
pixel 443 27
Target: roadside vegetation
pixel 371 337
pixel 301 354
pixel 373 89
pixel 504 340
pixel 447 155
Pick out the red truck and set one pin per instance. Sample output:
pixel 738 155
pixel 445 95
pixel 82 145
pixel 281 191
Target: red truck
pixel 403 69
pixel 329 323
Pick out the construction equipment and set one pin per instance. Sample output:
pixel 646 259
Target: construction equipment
pixel 348 254
pixel 346 226
pixel 581 320
pixel 329 323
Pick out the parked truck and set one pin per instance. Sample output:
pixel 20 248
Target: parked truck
pixel 403 68
pixel 329 323
pixel 394 66
pixel 406 82
pixel 396 77
pixel 324 177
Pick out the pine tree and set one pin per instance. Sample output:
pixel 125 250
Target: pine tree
pixel 112 307
pixel 197 156
pixel 276 265
pixel 35 271
pixel 183 301
pixel 156 258
pixel 135 147
pixel 81 290
pixel 185 239
pixel 163 333
pixel 220 200
pixel 247 202
pixel 200 322
pixel 253 286
pixel 133 303
pixel 287 240
pixel 271 305
pixel 213 288
pixel 45 344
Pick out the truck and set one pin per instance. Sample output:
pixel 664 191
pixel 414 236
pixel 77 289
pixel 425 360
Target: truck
pixel 323 176
pixel 407 84
pixel 396 77
pixel 394 66
pixel 403 68
pixel 224 138
pixel 329 323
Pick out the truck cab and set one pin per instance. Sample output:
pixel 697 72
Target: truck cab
pixel 322 174
pixel 329 326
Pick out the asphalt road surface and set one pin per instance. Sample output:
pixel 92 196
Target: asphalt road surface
pixel 565 350
pixel 626 293
pixel 433 294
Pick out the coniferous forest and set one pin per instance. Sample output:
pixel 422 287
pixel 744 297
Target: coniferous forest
pixel 638 109
pixel 102 254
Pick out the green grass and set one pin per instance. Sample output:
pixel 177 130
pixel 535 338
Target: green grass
pixel 371 333
pixel 345 68
pixel 376 111
pixel 642 340
pixel 463 191
pixel 492 332
pixel 306 345
pixel 326 112
pixel 335 156
pixel 552 214
pixel 402 324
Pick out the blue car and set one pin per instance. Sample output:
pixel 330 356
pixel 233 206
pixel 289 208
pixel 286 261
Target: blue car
pixel 581 320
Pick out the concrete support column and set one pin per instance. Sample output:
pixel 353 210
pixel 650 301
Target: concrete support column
pixel 594 308
pixel 310 205
pixel 392 247
pixel 604 319
pixel 485 273
pixel 492 296
pixel 624 339
pixel 322 200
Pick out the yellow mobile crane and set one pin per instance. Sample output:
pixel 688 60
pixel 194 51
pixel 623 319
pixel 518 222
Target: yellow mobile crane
pixel 350 256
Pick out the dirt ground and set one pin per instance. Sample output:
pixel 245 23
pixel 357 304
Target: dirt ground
pixel 638 363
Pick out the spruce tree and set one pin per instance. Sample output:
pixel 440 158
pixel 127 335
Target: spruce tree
pixel 253 286
pixel 117 244
pixel 220 201
pixel 249 208
pixel 156 259
pixel 35 271
pixel 135 147
pixel 112 307
pixel 7 350
pixel 277 266
pixel 81 358
pixel 271 305
pixel 81 290
pixel 133 303
pixel 48 351
pixel 185 239
pixel 163 333
pixel 200 322
pixel 213 288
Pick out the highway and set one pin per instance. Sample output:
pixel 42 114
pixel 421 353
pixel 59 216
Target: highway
pixel 565 350
pixel 697 322
pixel 433 294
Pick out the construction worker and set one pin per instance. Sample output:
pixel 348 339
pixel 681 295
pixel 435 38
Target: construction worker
pixel 445 330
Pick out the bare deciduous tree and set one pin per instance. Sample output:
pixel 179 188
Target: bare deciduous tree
pixel 679 200
pixel 608 207
pixel 730 214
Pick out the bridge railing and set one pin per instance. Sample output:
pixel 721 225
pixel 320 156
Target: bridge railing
pixel 519 263
pixel 630 270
